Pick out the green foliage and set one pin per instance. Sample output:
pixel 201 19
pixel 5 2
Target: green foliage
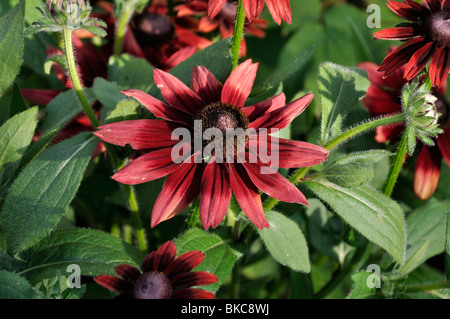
pixel 12 286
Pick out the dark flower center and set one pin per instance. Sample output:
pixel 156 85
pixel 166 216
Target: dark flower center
pixel 437 27
pixel 444 110
pixel 153 29
pixel 226 119
pixel 152 285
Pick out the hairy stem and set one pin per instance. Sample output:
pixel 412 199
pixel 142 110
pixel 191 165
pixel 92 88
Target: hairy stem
pixel 121 28
pixel 238 33
pixel 396 167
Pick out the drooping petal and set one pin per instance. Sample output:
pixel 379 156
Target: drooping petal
pixel 140 134
pixel 274 184
pixel 148 167
pixel 426 175
pixel 394 82
pixel 440 66
pixel 194 278
pixel 282 117
pixel 127 272
pixel 113 283
pixel 158 108
pixel 205 84
pixel 178 191
pixel 388 132
pixel 267 106
pixel 443 142
pixel 253 8
pixel 207 25
pixel 410 10
pixel 164 256
pixel 419 60
pixel 177 94
pixel 280 9
pixel 239 84
pixel 214 7
pixel 380 102
pixel 399 33
pixel 215 194
pixel 39 96
pixel 192 293
pixel 185 263
pixel 179 56
pixel 247 195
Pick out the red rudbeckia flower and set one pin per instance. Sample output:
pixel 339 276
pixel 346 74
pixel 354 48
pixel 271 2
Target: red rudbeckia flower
pixel 280 9
pixel 213 105
pixel 383 98
pixel 427 39
pixel 224 20
pixel 162 276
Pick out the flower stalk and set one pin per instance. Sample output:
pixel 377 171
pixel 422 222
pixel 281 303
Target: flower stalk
pixel 238 33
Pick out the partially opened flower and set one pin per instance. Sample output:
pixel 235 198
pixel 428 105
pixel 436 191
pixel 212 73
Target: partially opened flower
pixel 213 172
pixel 162 276
pixel 279 9
pixel 383 98
pixel 427 37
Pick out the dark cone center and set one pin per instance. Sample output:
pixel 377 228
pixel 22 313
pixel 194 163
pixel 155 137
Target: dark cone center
pixel 437 27
pixel 444 110
pixel 152 285
pixel 153 29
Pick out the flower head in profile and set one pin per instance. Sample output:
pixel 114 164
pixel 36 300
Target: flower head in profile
pixel 213 170
pixel 161 276
pixel 427 36
pixel 279 9
pixel 383 98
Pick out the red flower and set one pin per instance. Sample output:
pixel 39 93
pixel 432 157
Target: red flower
pixel 383 98
pixel 224 20
pixel 280 9
pixel 162 276
pixel 221 107
pixel 427 39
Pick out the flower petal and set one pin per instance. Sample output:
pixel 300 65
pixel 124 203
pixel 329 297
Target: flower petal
pixel 247 195
pixel 147 263
pixel 253 8
pixel 185 263
pixel 140 134
pixel 39 96
pixel 177 94
pixel 443 142
pixel 128 272
pixel 440 66
pixel 388 132
pixel 164 256
pixel 280 9
pixel 215 194
pixel 214 7
pixel 205 84
pixel 419 60
pixel 267 106
pixel 179 56
pixel 113 283
pixel 239 84
pixel 399 33
pixel 410 10
pixel 192 293
pixel 194 278
pixel 426 175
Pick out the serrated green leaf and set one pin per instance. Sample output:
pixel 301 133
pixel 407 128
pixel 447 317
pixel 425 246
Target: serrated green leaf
pixel 107 93
pixel 348 175
pixel 374 215
pixel 95 30
pixel 60 59
pixel 12 286
pixel 15 136
pixel 341 90
pixel 220 257
pixel 39 196
pixel 94 251
pixel 360 289
pixel 416 259
pixel 285 242
pixel 126 110
pixel 363 158
pixel 130 72
pixel 11 44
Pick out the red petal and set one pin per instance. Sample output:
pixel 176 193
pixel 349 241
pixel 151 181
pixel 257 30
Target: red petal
pixel 399 33
pixel 394 83
pixel 207 25
pixel 419 60
pixel 140 134
pixel 128 272
pixel 178 191
pixel 253 8
pixel 196 278
pixel 185 263
pixel 282 117
pixel 426 175
pixel 433 5
pixel 191 293
pixel 148 167
pixel 410 10
pixel 214 7
pixel 158 108
pixel 274 184
pixel 215 194
pixel 205 84
pixel 177 94
pixel 113 283
pixel 147 263
pixel 179 56
pixel 164 256
pixel 443 142
pixel 440 66
pixel 280 9
pixel 388 133
pixel 131 46
pixel 247 195
pixel 39 96
pixel 239 84
pixel 267 106
pixel 380 102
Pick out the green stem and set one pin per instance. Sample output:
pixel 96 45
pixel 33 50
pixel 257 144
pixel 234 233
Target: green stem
pixel 428 287
pixel 301 172
pixel 121 28
pixel 396 167
pixel 195 214
pixel 238 33
pixel 134 209
pixel 73 72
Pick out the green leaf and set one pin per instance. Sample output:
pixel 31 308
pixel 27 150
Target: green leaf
pixel 447 248
pixel 341 90
pixel 15 136
pixel 285 242
pixel 416 259
pixel 13 286
pixel 39 196
pixel 374 215
pixel 60 59
pixel 125 110
pixel 107 93
pixel 94 251
pixel 11 44
pixel 220 257
pixel 427 224
pixel 130 72
pixel 360 289
pixel 363 158
pixel 348 175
